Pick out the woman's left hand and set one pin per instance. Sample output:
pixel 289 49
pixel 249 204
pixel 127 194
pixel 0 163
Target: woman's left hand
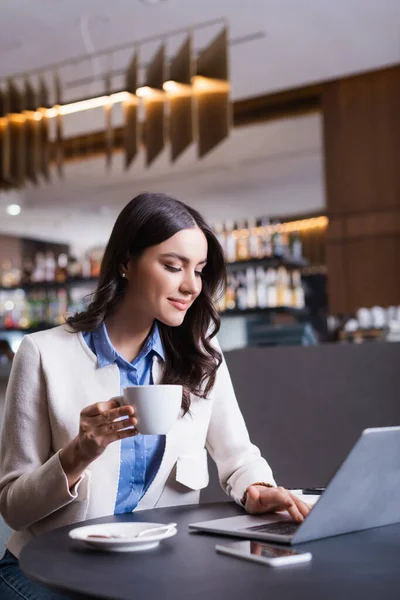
pixel 262 499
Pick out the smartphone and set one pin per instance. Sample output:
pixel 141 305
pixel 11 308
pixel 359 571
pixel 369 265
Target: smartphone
pixel 264 553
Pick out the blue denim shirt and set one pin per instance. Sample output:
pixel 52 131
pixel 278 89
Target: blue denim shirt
pixel 140 455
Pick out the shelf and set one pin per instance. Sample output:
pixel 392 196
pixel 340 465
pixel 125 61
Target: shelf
pixel 299 313
pixel 50 285
pixel 267 262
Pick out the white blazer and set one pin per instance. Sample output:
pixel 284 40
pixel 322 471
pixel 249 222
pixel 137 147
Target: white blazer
pixel 53 377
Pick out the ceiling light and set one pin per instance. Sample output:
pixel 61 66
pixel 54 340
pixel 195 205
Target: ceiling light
pixel 67 109
pixel 13 209
pixel 149 92
pixel 177 89
pixel 208 84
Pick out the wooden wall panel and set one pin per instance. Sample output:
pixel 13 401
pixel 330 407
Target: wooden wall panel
pixel 370 264
pixel 362 142
pixel 362 173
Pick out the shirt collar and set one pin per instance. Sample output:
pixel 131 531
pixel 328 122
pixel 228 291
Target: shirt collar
pixel 107 354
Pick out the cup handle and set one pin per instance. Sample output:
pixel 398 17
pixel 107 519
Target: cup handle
pixel 119 399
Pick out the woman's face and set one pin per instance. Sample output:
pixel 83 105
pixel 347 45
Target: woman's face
pixel 166 279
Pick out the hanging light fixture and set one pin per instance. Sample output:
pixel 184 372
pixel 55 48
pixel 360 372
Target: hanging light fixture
pixel 186 99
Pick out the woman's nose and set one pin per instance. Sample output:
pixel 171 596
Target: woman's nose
pixel 190 284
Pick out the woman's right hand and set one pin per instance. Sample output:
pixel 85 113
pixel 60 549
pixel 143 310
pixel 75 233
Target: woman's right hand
pixel 97 429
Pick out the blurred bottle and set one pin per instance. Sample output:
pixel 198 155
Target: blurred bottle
pixel 27 270
pixel 241 291
pixel 7 275
pixel 285 244
pixel 61 274
pixel 231 234
pixel 39 272
pixel 277 240
pixel 261 285
pixel 242 246
pixel 251 288
pixel 95 257
pixel 266 241
pixel 283 287
pixel 298 299
pixel 296 246
pixel 74 268
pixel 220 234
pixel 255 239
pixel 272 291
pixel 50 266
pixel 231 292
pixel 22 311
pixel 86 267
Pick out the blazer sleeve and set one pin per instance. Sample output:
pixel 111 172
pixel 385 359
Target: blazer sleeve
pixel 32 481
pixel 239 462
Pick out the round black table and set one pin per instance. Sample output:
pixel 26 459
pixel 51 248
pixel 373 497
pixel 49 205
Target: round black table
pixel 359 565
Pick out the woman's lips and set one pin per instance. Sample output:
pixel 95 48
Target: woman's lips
pixel 179 304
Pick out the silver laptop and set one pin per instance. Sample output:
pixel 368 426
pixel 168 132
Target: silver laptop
pixel 364 493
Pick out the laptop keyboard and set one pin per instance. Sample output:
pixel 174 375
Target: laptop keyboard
pixel 278 528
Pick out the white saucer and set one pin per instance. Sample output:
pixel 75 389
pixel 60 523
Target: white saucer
pixel 126 544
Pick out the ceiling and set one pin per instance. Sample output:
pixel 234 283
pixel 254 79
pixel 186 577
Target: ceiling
pixel 275 167
pixel 305 40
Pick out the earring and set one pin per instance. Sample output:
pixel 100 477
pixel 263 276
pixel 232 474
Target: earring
pixel 123 275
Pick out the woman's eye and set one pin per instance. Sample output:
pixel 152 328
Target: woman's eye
pixel 198 274
pixel 172 269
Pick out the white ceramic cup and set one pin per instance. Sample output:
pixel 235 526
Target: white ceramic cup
pixel 157 407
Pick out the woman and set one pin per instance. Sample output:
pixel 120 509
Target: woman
pixel 152 320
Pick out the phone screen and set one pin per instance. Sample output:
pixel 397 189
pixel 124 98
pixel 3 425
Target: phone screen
pixel 265 550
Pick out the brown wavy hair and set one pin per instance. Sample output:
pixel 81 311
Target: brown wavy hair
pixel 149 219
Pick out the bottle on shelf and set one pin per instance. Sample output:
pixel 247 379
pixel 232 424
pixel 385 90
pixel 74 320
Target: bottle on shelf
pixel 74 268
pixel 86 267
pixel 242 245
pixel 251 288
pixel 10 274
pixel 220 234
pixel 50 266
pixel 241 291
pixel 39 272
pixel 283 288
pixel 298 299
pixel 266 238
pixel 278 248
pixel 231 234
pixel 296 246
pixel 231 292
pixel 261 287
pixel 272 291
pixel 28 267
pixel 95 257
pixel 285 244
pixel 61 272
pixel 255 240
